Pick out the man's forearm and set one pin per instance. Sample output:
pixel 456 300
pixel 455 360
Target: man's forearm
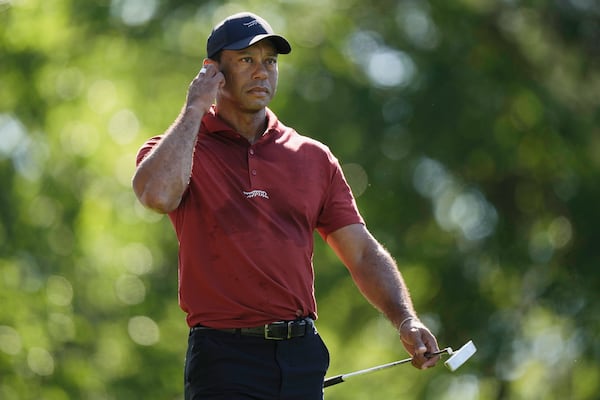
pixel 162 177
pixel 374 271
pixel 380 281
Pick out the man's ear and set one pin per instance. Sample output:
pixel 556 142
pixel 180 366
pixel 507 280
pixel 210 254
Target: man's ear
pixel 207 61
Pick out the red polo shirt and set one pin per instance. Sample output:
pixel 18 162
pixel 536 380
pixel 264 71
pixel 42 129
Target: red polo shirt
pixel 245 224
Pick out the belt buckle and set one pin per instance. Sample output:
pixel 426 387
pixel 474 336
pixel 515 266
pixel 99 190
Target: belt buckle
pixel 268 330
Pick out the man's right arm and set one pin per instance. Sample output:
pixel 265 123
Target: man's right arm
pixel 162 176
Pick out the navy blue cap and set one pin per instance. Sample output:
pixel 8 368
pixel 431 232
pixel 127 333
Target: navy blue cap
pixel 242 30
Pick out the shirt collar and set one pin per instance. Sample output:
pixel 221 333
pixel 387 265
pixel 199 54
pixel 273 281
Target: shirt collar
pixel 211 123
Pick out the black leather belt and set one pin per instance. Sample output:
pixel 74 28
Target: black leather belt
pixel 280 330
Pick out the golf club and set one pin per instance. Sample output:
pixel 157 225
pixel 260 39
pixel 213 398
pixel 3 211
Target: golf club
pixel 457 358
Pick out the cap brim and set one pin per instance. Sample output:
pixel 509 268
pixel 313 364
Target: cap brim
pixel 281 44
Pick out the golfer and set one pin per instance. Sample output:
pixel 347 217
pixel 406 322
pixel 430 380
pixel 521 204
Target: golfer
pixel 245 193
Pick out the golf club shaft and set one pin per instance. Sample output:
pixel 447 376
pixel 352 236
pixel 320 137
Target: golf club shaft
pixel 334 380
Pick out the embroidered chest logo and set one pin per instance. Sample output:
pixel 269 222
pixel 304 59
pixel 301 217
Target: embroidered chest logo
pixel 256 193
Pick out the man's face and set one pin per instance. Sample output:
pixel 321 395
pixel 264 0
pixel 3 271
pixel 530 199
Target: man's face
pixel 250 77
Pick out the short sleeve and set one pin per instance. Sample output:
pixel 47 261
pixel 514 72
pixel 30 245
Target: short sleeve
pixel 339 208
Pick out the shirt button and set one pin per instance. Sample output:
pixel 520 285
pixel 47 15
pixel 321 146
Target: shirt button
pixel 254 172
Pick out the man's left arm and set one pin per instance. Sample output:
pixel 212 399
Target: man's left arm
pixel 376 275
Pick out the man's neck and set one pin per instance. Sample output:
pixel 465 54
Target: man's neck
pixel 251 125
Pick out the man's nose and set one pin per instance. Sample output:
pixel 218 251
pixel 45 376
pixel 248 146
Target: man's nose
pixel 260 71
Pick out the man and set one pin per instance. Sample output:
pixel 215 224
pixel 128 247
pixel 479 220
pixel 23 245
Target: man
pixel 245 194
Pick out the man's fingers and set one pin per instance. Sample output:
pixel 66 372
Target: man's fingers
pixel 431 347
pixel 211 75
pixel 205 71
pixel 420 342
pixel 420 348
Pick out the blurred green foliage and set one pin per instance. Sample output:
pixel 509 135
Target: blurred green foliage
pixel 469 131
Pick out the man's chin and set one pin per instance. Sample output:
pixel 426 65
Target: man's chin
pixel 256 106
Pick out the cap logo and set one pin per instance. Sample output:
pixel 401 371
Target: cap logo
pixel 251 23
pixel 240 31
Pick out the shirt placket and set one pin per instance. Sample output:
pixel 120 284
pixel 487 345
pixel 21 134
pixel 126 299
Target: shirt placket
pixel 253 169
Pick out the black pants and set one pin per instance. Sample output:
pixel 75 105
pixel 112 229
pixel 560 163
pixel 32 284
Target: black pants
pixel 222 365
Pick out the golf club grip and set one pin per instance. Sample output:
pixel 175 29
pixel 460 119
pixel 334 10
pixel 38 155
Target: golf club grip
pixel 334 380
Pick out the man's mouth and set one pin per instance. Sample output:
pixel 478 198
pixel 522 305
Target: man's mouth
pixel 259 90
